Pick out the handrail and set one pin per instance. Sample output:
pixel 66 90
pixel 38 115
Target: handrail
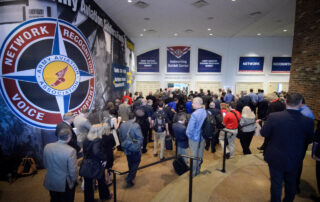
pixel 192 158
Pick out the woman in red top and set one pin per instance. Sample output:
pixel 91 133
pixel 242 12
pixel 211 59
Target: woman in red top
pixel 231 122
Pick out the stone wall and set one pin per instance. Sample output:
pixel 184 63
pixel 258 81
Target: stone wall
pixel 305 69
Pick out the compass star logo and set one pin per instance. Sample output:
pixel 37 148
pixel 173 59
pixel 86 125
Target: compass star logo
pixel 46 71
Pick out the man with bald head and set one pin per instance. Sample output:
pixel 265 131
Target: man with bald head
pixel 196 141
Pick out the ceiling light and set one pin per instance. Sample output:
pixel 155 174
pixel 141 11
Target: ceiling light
pixel 285 30
pixel 209 29
pixel 175 34
pixel 129 1
pixel 144 30
pixel 259 34
pixel 141 34
pixel 233 0
pixel 210 34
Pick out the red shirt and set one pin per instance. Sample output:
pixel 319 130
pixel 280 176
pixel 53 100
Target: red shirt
pixel 129 99
pixel 230 121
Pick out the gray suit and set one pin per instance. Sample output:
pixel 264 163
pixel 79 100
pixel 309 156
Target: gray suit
pixel 83 126
pixel 60 160
pixel 124 111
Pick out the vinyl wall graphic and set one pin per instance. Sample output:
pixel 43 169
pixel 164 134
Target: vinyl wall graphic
pixel 56 57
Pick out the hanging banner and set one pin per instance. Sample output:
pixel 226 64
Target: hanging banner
pixel 148 61
pixel 119 74
pixel 251 64
pixel 281 64
pixel 208 61
pixel 178 59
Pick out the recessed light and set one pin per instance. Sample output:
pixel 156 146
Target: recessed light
pixel 209 29
pixel 210 34
pixel 129 1
pixel 259 34
pixel 233 0
pixel 285 30
pixel 141 34
pixel 144 30
pixel 175 34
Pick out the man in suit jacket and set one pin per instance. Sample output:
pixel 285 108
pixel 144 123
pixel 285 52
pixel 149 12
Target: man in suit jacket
pixel 60 160
pixel 124 110
pixel 82 124
pixel 66 123
pixel 288 131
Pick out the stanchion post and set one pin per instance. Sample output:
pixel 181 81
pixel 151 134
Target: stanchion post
pixel 190 180
pixel 114 186
pixel 224 153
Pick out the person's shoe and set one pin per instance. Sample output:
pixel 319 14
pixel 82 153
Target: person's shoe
pixel 150 140
pixel 144 151
pixel 129 184
pixel 155 155
pixel 108 198
pixel 227 155
pixel 207 148
pixel 260 148
pixel 161 159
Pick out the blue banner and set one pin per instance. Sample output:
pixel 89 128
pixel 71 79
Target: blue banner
pixel 251 64
pixel 119 76
pixel 148 61
pixel 208 61
pixel 178 59
pixel 281 64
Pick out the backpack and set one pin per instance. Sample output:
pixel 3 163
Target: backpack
pixel 208 126
pixel 219 119
pixel 27 166
pixel 159 121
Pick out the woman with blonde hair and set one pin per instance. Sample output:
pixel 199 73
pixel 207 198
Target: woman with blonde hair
pixel 248 127
pixel 93 164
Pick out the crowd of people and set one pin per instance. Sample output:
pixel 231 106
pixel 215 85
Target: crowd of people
pixel 195 121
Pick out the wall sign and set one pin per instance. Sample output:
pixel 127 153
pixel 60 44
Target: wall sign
pixel 281 65
pixel 148 61
pixel 178 59
pixel 119 74
pixel 208 61
pixel 251 64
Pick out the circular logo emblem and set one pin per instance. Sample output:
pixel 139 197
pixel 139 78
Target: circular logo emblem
pixel 46 71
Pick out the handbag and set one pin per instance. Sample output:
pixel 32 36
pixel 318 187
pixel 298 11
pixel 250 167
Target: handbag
pixel 90 168
pixel 168 143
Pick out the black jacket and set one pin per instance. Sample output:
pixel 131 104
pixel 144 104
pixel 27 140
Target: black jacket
pixel 288 132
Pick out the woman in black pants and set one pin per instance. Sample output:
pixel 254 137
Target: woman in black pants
pixel 92 151
pixel 248 127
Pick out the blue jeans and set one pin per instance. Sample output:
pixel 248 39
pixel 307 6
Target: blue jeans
pixel 133 164
pixel 277 177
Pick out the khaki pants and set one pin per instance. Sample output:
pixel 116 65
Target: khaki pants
pixel 162 137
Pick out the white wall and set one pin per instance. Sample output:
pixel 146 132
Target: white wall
pixel 229 48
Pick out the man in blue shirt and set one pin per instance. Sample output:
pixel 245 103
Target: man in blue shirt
pixel 260 95
pixel 189 105
pixel 253 96
pixel 228 97
pixel 305 110
pixel 196 141
pixel 173 105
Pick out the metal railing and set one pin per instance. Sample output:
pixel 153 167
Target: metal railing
pixel 192 158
